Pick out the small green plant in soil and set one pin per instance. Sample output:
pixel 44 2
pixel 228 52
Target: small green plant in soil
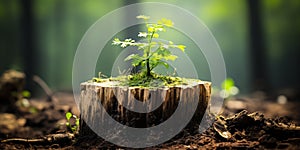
pixel 229 89
pixel 74 127
pixel 154 54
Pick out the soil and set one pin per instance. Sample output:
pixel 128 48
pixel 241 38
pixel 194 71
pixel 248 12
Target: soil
pixel 244 123
pixel 252 122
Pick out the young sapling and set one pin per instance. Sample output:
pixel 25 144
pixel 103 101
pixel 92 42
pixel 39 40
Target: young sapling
pixel 73 127
pixel 154 53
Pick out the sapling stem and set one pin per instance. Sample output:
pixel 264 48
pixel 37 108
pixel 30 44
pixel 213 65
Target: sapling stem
pixel 148 54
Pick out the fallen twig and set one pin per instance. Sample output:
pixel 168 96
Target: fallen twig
pixel 49 139
pixel 44 86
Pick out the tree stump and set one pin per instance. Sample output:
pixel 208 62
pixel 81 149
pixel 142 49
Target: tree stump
pixel 11 86
pixel 151 106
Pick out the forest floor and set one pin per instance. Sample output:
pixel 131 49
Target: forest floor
pixel 247 122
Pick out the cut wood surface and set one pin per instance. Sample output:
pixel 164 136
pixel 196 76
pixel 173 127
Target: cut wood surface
pixel 141 107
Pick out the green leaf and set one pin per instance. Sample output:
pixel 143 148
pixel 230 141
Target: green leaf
pixel 26 94
pixel 136 59
pixel 116 41
pixel 96 79
pixel 227 84
pixel 151 29
pixel 166 22
pixel 69 115
pixel 142 34
pixel 126 42
pixel 170 57
pixel 163 52
pixel 143 17
pixel 181 47
pixel 132 56
pixel 153 44
pixel 142 46
pixel 143 63
pixel 74 128
pixel 155 35
pixel 158 27
pixel 136 62
pixel 77 122
pixel 156 56
pixel 164 64
pixel 129 40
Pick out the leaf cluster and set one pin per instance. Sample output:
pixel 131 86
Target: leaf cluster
pixel 142 80
pixel 228 88
pixel 154 53
pixel 156 80
pixel 73 127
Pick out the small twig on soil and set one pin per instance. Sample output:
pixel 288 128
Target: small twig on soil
pixel 44 86
pixel 52 138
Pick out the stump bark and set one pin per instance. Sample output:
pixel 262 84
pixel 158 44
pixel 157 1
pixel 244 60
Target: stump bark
pixel 141 107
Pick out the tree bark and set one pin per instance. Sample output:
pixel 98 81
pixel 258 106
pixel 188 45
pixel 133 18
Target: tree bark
pixel 29 51
pixel 163 102
pixel 257 47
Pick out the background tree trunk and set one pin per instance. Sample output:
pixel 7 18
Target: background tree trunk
pixel 257 47
pixel 28 50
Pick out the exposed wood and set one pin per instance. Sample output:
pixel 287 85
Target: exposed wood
pixel 109 94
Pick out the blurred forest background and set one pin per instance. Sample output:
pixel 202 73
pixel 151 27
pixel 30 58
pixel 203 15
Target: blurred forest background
pixel 260 39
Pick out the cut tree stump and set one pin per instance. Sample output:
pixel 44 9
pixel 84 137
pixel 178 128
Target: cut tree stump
pixel 158 103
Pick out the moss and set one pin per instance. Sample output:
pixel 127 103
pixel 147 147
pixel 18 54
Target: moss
pixel 142 80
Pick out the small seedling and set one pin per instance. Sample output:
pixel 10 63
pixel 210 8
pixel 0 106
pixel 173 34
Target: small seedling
pixel 101 78
pixel 26 94
pixel 228 88
pixel 154 53
pixel 73 127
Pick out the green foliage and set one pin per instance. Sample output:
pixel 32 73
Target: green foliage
pixel 156 80
pixel 26 94
pixel 101 78
pixel 154 53
pixel 142 80
pixel 228 88
pixel 227 84
pixel 68 116
pixel 23 102
pixel 75 126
